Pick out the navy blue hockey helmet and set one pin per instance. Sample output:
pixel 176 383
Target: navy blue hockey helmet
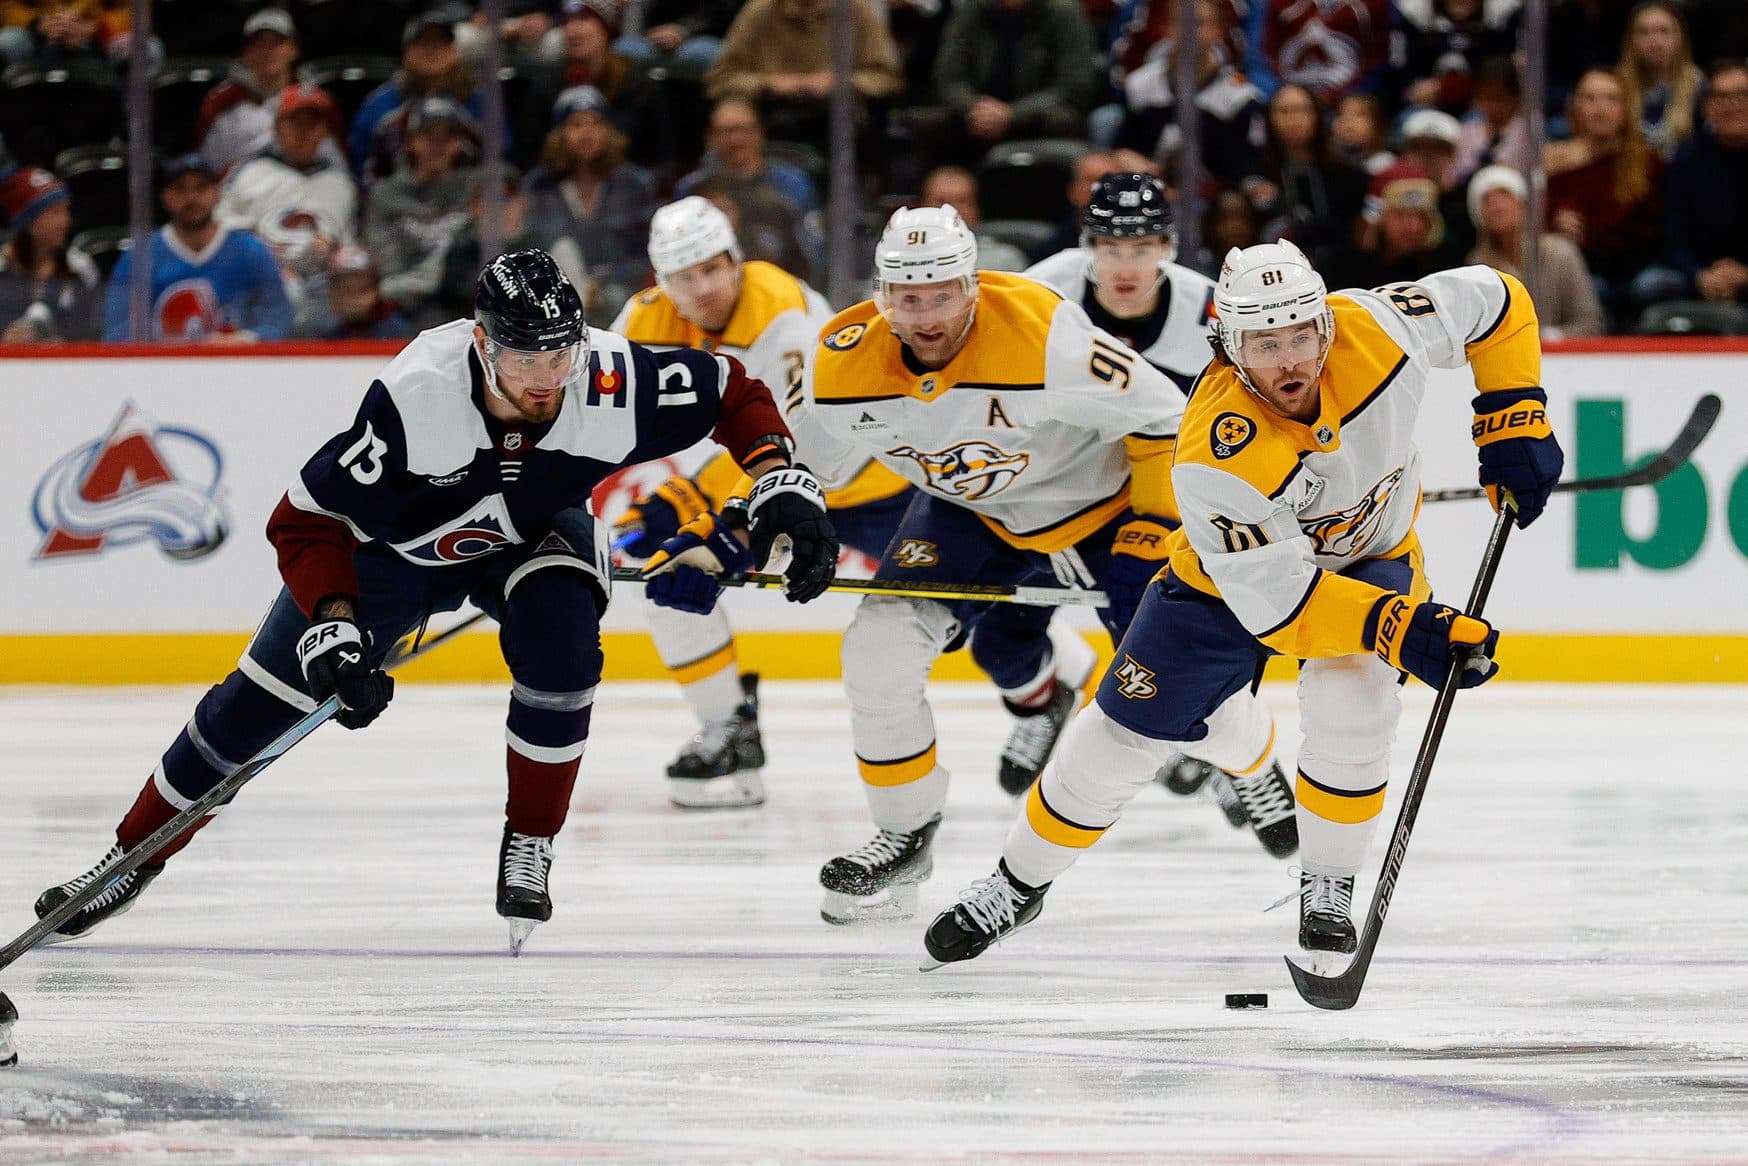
pixel 1127 206
pixel 524 302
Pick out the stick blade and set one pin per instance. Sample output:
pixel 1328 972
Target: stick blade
pixel 1333 993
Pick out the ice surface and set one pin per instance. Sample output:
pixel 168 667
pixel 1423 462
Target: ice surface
pixel 321 977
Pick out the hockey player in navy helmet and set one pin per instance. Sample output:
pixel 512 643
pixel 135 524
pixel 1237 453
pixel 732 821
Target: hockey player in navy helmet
pixel 466 476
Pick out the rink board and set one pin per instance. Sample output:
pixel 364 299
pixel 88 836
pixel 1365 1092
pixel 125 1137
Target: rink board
pixel 118 473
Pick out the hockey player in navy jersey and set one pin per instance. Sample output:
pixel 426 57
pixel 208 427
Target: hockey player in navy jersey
pixel 466 475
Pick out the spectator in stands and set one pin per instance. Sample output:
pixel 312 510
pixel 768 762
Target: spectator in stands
pixel 956 187
pixel 589 57
pixel 1230 117
pixel 1358 134
pixel 60 32
pixel 1011 69
pixel 236 119
pixel 1088 169
pixel 1230 221
pixel 301 203
pixel 49 291
pixel 737 164
pixel 1302 190
pixel 779 54
pixel 209 284
pixel 916 27
pixel 1582 35
pixel 684 35
pixel 431 66
pixel 1565 299
pixel 412 214
pixel 1429 140
pixel 1330 49
pixel 586 190
pixel 355 308
pixel 1605 194
pixel 465 256
pixel 1409 240
pixel 764 222
pixel 1499 133
pixel 1445 42
pixel 1663 84
pixel 1706 192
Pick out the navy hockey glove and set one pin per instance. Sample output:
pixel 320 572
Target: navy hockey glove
pixel 1423 638
pixel 658 516
pixel 789 504
pixel 1518 449
pixel 1137 554
pixel 334 661
pixel 685 572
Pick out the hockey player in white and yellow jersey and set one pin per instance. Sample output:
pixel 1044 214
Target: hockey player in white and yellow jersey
pixel 1040 448
pixel 708 297
pixel 1298 479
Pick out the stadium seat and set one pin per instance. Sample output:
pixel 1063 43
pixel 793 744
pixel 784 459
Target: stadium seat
pixel 105 246
pixel 349 80
pixel 96 178
pixel 1029 179
pixel 1025 234
pixel 177 91
pixel 1694 318
pixel 45 110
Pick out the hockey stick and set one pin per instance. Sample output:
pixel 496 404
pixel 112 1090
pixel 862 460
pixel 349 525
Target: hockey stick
pixel 921 589
pixel 1653 470
pixel 1343 990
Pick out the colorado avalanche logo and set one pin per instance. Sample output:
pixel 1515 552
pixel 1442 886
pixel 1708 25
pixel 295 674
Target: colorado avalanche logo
pixel 139 482
pixel 971 470
pixel 482 530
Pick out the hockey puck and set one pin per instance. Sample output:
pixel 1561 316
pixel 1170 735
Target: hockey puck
pixel 1247 999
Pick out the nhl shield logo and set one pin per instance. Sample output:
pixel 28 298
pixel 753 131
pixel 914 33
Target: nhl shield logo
pixel 139 482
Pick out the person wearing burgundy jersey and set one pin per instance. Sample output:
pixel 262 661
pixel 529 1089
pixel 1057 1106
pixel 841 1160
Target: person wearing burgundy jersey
pixel 466 475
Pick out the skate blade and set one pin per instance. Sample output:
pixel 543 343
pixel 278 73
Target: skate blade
pixel 893 905
pixel 930 963
pixel 732 791
pixel 520 930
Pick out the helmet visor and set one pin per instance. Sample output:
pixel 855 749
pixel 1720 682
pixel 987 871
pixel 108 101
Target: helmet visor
pixel 1281 347
pixel 910 307
pixel 535 371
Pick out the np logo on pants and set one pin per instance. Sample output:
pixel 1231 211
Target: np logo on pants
pixel 1137 682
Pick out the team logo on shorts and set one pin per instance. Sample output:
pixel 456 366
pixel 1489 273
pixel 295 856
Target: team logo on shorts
pixel 139 482
pixel 972 470
pixel 845 339
pixel 916 552
pixel 1231 433
pixel 1137 682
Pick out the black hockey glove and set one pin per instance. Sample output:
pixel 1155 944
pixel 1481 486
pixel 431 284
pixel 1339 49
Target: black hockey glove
pixel 789 504
pixel 332 656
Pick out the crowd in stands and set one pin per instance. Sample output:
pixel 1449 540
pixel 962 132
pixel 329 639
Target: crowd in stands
pixel 321 167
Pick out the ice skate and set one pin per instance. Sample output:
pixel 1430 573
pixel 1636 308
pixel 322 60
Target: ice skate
pixel 1219 787
pixel 1034 738
pixel 987 912
pixel 1184 776
pixel 1326 913
pixel 1268 803
pixel 117 898
pixel 524 862
pixel 877 882
pixel 720 769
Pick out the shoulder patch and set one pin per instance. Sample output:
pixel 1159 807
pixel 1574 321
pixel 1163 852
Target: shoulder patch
pixel 1230 433
pixel 845 339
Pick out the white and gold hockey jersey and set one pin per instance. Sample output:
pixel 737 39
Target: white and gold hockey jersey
pixel 1272 508
pixel 1038 424
pixel 774 328
pixel 1174 338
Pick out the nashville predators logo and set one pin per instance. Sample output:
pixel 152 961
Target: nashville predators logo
pixel 1231 433
pixel 845 339
pixel 1348 532
pixel 916 552
pixel 972 470
pixel 1136 681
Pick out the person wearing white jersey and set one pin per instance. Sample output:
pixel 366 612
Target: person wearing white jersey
pixel 1298 480
pixel 708 296
pixel 1040 448
pixel 1124 273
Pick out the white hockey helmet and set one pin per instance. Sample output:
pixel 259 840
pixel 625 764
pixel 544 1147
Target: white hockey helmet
pixel 925 244
pixel 688 232
pixel 1270 285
